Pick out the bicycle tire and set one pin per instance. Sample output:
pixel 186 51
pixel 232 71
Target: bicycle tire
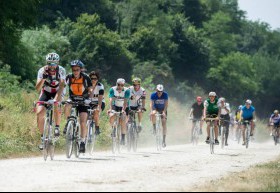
pixel 248 133
pixel 134 138
pixel 70 138
pixel 212 141
pixel 77 135
pixel 91 139
pixel 223 137
pixel 46 136
pixel 129 137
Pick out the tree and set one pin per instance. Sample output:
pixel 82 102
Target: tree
pixel 235 77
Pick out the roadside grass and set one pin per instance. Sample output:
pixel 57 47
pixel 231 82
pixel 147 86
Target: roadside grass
pixel 260 178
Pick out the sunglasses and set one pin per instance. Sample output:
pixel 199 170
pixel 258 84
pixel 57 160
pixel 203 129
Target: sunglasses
pixel 94 79
pixel 136 85
pixel 77 70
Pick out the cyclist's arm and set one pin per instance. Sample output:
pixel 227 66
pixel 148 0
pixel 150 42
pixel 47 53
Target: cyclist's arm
pixel 191 112
pixel 254 116
pixel 166 106
pixel 152 105
pixel 39 85
pixel 126 99
pixel 241 115
pixel 111 98
pixel 60 91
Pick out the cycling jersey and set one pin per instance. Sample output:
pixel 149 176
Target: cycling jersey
pixel 248 114
pixel 223 110
pixel 78 88
pixel 136 96
pixel 211 108
pixel 197 110
pixel 119 96
pixel 159 102
pixel 238 115
pixel 99 90
pixel 275 119
pixel 52 82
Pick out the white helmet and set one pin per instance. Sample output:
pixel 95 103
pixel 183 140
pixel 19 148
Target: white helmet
pixel 240 107
pixel 222 100
pixel 249 102
pixel 160 88
pixel 52 57
pixel 212 94
pixel 121 81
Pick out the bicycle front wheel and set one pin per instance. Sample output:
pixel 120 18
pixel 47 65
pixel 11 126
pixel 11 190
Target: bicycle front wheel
pixel 223 137
pixel 91 138
pixel 70 139
pixel 248 137
pixel 46 141
pixel 212 141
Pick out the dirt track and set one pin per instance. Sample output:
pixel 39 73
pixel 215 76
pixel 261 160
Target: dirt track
pixel 175 169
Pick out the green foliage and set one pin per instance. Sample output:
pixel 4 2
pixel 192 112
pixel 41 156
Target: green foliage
pixel 235 73
pixel 8 82
pixel 42 41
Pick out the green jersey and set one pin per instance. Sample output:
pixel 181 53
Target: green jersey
pixel 211 108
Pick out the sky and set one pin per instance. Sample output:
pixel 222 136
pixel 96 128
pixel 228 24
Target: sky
pixel 264 10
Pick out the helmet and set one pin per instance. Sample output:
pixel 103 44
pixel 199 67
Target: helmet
pixel 276 112
pixel 249 102
pixel 77 63
pixel 199 99
pixel 52 58
pixel 121 81
pixel 212 94
pixel 136 81
pixel 160 88
pixel 240 107
pixel 222 100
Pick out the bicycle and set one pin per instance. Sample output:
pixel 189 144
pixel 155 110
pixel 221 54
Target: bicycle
pixel 196 131
pixel 248 133
pixel 91 136
pixel 276 134
pixel 116 133
pixel 212 133
pixel 159 131
pixel 73 130
pixel 48 140
pixel 133 134
pixel 239 132
pixel 223 132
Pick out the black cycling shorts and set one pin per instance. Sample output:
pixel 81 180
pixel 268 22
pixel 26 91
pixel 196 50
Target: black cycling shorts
pixel 46 96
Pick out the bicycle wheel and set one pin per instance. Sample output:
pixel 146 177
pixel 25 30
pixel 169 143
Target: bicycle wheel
pixel 46 139
pixel 70 139
pixel 119 139
pixel 129 137
pixel 91 138
pixel 223 137
pixel 159 139
pixel 51 150
pixel 195 136
pixel 212 141
pixel 135 139
pixel 239 133
pixel 248 133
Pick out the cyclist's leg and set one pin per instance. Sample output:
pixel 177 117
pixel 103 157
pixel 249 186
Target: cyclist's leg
pixel 153 117
pixel 41 111
pixel 57 112
pixel 164 126
pixel 83 121
pixel 244 132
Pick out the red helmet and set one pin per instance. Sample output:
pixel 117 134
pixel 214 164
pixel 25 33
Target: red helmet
pixel 199 99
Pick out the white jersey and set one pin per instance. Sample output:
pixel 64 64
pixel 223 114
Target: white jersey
pixel 223 110
pixel 52 82
pixel 119 97
pixel 99 90
pixel 136 96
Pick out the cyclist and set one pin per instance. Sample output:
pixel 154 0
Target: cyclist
pixel 275 121
pixel 98 98
pixel 237 120
pixel 225 116
pixel 119 98
pixel 80 90
pixel 211 110
pixel 159 104
pixel 196 113
pixel 248 114
pixel 138 100
pixel 50 82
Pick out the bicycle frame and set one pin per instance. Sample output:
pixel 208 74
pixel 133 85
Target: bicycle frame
pixel 212 133
pixel 132 131
pixel 247 133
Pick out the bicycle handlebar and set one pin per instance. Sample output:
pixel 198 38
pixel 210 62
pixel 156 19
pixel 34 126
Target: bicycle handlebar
pixel 48 103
